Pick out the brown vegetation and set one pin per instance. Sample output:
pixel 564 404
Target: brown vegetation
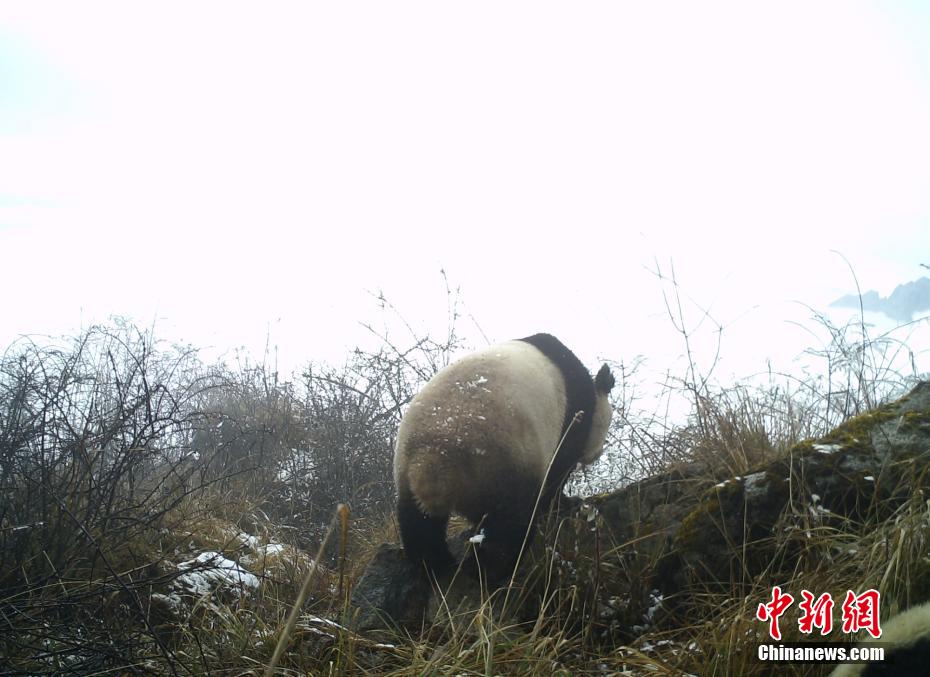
pixel 122 459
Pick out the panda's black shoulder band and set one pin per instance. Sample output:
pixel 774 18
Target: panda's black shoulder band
pixel 579 396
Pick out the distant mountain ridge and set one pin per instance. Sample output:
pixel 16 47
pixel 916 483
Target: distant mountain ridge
pixel 905 300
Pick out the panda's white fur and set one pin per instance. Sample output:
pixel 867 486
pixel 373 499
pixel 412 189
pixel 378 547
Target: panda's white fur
pixel 479 439
pixel 907 645
pixel 600 424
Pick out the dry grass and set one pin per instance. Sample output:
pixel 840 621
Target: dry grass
pixel 104 495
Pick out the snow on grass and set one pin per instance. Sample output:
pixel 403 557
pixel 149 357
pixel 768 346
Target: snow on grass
pixel 248 540
pixel 478 538
pixel 272 549
pixel 826 448
pixel 210 571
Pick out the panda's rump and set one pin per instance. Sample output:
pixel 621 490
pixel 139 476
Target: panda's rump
pixel 481 429
pixel 463 463
pixel 468 480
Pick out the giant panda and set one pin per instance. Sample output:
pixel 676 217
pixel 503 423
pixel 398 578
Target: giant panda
pixel 480 440
pixel 906 639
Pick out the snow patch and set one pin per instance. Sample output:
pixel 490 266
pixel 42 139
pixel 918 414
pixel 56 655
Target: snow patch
pixel 248 540
pixel 819 511
pixel 751 483
pixel 173 601
pixel 310 618
pixel 655 599
pixel 272 549
pixel 210 571
pixel 588 511
pixel 27 526
pixel 827 448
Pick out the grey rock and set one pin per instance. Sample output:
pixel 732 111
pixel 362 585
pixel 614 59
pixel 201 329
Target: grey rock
pixel 392 593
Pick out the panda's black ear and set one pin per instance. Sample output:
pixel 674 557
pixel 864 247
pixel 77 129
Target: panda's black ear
pixel 604 381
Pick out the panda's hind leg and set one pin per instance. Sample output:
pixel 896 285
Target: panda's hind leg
pixel 505 531
pixel 423 536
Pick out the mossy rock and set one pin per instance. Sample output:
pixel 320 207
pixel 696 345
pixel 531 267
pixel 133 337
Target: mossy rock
pixel 864 469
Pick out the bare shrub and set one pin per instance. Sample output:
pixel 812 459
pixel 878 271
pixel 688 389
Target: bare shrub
pixel 88 431
pixel 249 425
pixel 859 371
pixel 730 428
pixel 349 418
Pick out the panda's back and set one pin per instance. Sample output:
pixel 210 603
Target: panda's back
pixel 494 417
